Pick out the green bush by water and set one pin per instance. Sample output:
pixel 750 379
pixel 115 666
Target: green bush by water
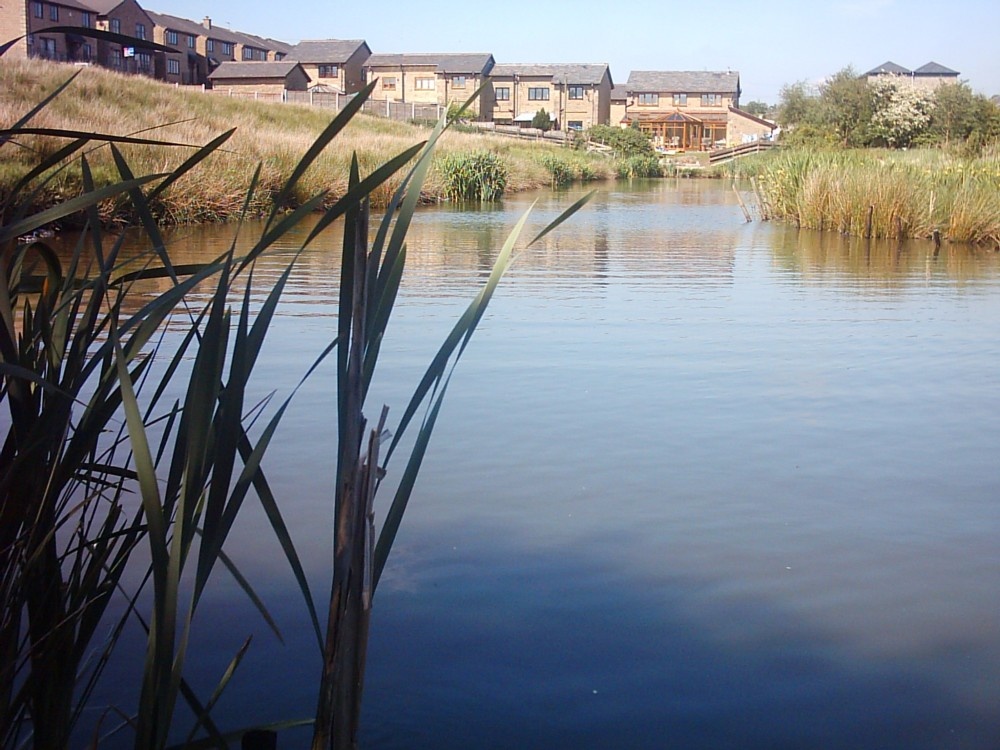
pixel 479 175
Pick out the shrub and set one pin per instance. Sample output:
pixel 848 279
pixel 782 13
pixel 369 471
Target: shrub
pixel 542 121
pixel 625 141
pixel 559 168
pixel 639 166
pixel 479 175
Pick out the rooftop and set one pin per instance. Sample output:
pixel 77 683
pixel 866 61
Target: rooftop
pixel 684 81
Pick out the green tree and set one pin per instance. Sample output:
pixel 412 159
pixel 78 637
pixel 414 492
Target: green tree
pixel 759 109
pixel 625 141
pixel 541 120
pixel 846 105
pixel 798 105
pixel 958 112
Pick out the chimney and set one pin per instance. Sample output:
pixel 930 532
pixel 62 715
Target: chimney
pixel 207 22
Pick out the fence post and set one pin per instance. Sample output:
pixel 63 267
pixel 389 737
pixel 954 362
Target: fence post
pixel 387 115
pixel 336 101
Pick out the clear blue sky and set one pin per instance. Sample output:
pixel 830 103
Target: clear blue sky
pixel 769 43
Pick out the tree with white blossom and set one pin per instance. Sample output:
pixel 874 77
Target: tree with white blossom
pixel 901 112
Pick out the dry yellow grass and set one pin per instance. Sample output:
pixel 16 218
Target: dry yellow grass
pixel 274 135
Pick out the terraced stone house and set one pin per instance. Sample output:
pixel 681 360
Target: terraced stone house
pixel 575 97
pixel 430 78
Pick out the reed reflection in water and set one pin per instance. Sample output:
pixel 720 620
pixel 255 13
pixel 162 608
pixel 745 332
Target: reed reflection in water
pixel 697 484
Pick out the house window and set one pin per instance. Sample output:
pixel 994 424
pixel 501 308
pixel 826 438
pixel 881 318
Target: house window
pixel 502 93
pixel 174 67
pixel 115 26
pixel 680 100
pixel 424 84
pixel 389 83
pixel 48 47
pixel 38 10
pixel 210 45
pixel 458 82
pixel 53 12
pixel 539 94
pixel 190 41
pixel 227 48
pixel 649 100
pixel 140 31
pixel 711 100
pixel 171 37
pixel 576 92
pixel 116 58
pixel 576 125
pixel 88 52
pixel 328 71
pixel 248 53
pixel 85 20
pixel 144 62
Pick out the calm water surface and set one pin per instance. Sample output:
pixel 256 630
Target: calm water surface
pixel 697 484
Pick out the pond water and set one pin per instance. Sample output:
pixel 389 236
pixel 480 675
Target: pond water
pixel 697 483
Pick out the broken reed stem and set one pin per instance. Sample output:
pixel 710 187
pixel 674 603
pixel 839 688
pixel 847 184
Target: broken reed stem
pixel 746 212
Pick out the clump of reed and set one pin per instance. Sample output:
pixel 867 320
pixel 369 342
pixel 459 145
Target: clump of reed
pixel 565 167
pixel 477 175
pixel 639 166
pixel 886 194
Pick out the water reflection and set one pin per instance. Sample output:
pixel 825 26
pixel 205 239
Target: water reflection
pixel 697 483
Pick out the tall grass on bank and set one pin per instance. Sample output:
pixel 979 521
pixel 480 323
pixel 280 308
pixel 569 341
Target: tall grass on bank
pixel 99 460
pixel 273 135
pixel 889 194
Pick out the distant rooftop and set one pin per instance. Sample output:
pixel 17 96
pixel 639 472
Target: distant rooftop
pixel 579 73
pixel 330 51
pixel 467 62
pixel 684 81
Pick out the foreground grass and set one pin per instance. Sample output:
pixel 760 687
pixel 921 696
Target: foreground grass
pixel 277 135
pixel 889 194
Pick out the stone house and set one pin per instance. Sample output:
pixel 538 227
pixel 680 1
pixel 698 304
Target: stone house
pixel 575 96
pixel 30 20
pixel 926 78
pixel 270 78
pixel 128 18
pixel 687 110
pixel 334 63
pixel 429 78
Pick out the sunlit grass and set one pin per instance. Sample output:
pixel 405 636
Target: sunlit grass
pixel 275 135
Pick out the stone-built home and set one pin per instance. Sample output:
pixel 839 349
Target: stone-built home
pixel 926 78
pixel 202 47
pixel 270 78
pixel 31 19
pixel 691 110
pixel 124 17
pixel 430 78
pixel 336 65
pixel 574 96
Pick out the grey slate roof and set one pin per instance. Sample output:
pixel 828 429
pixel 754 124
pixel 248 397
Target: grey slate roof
pixel 934 69
pixel 889 67
pixel 326 51
pixel 619 93
pixel 103 7
pixel 231 69
pixel 684 81
pixel 186 26
pixel 583 73
pixel 472 62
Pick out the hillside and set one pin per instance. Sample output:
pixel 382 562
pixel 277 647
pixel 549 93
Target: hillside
pixel 274 135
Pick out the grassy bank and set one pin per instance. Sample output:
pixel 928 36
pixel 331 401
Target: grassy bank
pixel 879 193
pixel 277 135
